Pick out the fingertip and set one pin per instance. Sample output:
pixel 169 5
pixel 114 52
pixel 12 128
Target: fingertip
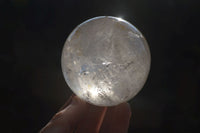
pixel 67 102
pixel 76 100
pixel 124 107
pixel 127 109
pixel 117 119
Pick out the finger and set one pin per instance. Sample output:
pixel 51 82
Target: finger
pixel 116 119
pixel 68 102
pixel 92 121
pixel 66 120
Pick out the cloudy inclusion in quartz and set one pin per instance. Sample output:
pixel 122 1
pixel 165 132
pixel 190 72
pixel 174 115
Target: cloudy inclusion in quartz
pixel 105 61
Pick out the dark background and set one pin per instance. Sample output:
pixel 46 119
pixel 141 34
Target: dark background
pixel 32 85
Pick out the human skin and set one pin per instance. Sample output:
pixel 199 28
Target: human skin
pixel 77 116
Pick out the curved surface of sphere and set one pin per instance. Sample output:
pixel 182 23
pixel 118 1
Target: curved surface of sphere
pixel 105 61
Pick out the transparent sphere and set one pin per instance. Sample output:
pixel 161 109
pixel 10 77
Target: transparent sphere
pixel 105 61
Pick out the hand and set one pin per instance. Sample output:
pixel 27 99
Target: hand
pixel 77 116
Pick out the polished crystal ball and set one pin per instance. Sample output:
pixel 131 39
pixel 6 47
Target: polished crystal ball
pixel 105 61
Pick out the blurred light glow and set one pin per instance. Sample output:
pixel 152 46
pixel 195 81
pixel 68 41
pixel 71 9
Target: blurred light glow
pixel 120 19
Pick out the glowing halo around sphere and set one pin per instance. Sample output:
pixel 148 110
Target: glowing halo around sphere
pixel 105 61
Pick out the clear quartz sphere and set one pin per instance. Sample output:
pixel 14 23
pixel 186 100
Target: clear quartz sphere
pixel 105 61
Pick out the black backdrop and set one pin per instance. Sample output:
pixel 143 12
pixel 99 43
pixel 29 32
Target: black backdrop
pixel 32 84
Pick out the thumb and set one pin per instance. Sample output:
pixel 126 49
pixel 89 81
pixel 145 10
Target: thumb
pixel 66 120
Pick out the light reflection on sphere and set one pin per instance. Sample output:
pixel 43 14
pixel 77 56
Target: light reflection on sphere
pixel 105 61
